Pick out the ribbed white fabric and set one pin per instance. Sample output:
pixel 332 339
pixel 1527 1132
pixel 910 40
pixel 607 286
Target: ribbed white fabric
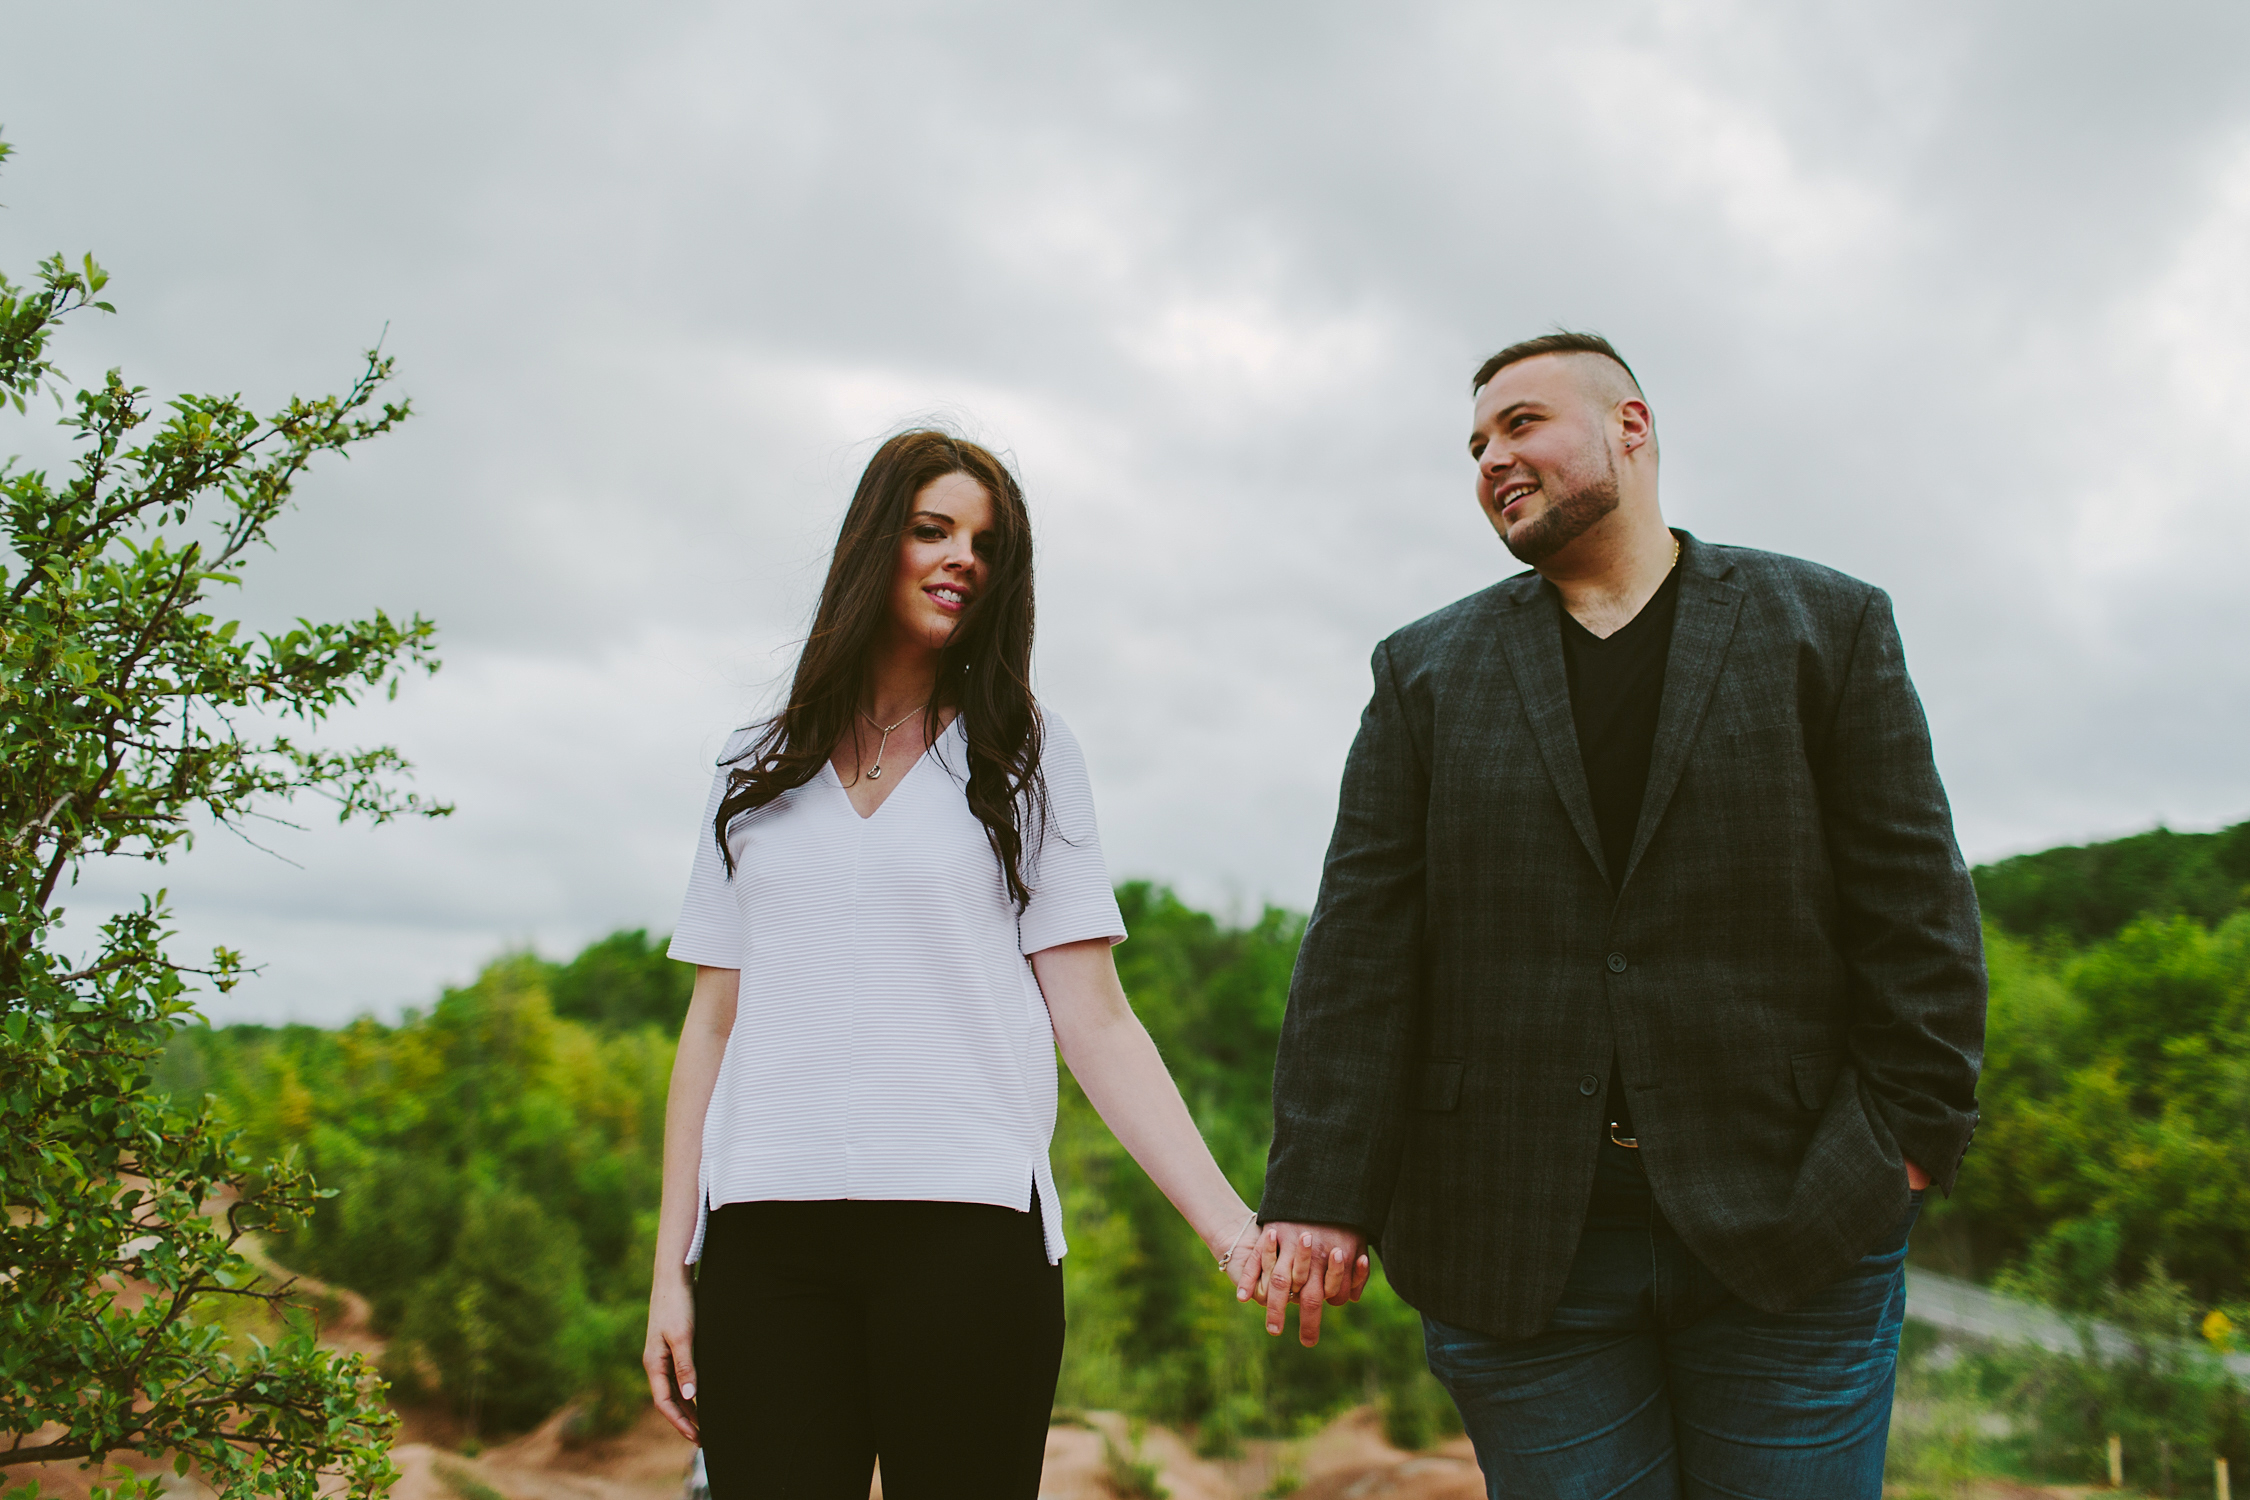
pixel 890 1040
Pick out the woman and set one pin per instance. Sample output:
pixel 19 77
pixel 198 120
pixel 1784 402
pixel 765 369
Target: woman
pixel 898 910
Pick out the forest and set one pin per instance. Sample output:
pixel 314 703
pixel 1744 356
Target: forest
pixel 494 1161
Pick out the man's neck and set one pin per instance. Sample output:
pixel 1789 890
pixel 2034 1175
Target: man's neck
pixel 1608 575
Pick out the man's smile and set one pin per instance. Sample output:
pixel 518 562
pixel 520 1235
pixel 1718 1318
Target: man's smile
pixel 1513 493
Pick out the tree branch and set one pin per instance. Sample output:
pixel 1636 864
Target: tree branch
pixel 39 824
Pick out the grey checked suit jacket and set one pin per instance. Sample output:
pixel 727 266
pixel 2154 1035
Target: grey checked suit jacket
pixel 1790 972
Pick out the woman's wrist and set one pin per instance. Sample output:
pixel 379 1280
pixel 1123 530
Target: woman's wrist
pixel 1226 1234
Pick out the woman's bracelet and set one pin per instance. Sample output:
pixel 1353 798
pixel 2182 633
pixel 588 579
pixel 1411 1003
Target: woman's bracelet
pixel 1226 1261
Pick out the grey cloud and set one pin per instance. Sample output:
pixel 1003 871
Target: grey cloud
pixel 1935 296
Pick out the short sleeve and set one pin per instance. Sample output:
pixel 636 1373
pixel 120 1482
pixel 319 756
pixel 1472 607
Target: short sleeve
pixel 709 931
pixel 1071 898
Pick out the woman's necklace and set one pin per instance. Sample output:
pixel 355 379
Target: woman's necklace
pixel 875 772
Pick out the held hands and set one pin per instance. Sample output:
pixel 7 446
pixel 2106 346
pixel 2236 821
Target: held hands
pixel 1235 1247
pixel 1313 1265
pixel 1317 1265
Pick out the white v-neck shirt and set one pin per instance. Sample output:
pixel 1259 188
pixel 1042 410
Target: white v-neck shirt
pixel 889 1040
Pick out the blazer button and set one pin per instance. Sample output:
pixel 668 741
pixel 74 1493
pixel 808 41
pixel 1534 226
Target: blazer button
pixel 1617 963
pixel 1588 1085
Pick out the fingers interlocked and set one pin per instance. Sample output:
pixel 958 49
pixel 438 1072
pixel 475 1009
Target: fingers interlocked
pixel 1314 1270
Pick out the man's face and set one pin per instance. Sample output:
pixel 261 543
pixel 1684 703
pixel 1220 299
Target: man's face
pixel 1541 441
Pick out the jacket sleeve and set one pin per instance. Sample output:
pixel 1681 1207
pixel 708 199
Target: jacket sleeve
pixel 1347 1037
pixel 1910 933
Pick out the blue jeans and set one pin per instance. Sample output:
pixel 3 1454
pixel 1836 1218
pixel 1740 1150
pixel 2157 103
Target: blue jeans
pixel 1654 1382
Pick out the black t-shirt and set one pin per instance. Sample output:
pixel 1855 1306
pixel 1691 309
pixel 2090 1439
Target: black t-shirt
pixel 1616 687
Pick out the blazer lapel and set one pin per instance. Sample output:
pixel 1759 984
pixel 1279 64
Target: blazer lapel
pixel 1701 632
pixel 1531 638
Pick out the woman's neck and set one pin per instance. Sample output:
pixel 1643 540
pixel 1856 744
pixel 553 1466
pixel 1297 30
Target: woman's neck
pixel 901 679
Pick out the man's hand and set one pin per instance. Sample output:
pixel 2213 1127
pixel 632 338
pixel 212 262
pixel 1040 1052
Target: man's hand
pixel 1916 1178
pixel 1312 1265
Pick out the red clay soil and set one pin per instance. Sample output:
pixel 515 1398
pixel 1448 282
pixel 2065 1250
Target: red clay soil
pixel 1349 1459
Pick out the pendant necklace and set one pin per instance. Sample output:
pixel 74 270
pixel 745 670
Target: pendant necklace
pixel 875 772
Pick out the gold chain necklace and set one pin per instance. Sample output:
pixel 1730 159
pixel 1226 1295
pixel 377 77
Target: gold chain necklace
pixel 875 772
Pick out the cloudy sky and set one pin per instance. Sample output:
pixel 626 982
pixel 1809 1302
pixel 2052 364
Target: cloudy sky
pixel 1950 297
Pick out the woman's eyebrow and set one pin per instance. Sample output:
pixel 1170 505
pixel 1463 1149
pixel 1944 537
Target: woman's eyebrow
pixel 933 515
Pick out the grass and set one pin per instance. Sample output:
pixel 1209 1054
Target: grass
pixel 1130 1475
pixel 466 1486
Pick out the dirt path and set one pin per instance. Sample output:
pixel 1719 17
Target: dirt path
pixel 649 1462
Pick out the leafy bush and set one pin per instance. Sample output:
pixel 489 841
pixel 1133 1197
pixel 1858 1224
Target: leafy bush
pixel 497 1174
pixel 2116 1081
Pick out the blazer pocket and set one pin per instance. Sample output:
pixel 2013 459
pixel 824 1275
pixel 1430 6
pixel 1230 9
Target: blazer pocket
pixel 1815 1074
pixel 1441 1084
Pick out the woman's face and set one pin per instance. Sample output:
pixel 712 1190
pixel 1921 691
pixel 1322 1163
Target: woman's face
pixel 943 560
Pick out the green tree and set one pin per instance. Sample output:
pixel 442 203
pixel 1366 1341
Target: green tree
pixel 623 981
pixel 497 1170
pixel 129 714
pixel 1152 1327
pixel 2081 894
pixel 2116 1080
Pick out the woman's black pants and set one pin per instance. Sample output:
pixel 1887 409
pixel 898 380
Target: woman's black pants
pixel 829 1333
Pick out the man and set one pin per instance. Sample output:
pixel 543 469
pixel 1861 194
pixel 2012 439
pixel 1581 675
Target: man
pixel 1644 993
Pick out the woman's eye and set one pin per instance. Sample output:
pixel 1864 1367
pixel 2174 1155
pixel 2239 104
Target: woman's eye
pixel 929 533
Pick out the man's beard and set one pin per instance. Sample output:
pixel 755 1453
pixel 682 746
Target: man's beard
pixel 1568 517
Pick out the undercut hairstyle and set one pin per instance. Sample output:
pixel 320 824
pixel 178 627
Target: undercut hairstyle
pixel 1559 342
pixel 984 671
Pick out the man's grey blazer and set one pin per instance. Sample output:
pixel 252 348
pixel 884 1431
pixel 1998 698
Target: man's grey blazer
pixel 1790 971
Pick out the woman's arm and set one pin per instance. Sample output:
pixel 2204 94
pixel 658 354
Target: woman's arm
pixel 1114 1061
pixel 669 1354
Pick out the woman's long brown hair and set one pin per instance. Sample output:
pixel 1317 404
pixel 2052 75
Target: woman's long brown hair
pixel 984 672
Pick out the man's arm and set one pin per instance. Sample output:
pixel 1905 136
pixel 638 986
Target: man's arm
pixel 1910 933
pixel 1347 1037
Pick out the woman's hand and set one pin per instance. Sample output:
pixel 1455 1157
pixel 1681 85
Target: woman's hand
pixel 669 1354
pixel 1235 1247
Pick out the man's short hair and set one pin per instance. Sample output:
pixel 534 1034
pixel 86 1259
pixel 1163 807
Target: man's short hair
pixel 1559 342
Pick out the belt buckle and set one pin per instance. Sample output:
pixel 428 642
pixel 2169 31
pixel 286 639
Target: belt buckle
pixel 1629 1142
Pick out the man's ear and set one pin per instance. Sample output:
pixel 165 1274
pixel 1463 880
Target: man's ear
pixel 1636 426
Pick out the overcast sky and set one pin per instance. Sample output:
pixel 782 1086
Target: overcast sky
pixel 1953 298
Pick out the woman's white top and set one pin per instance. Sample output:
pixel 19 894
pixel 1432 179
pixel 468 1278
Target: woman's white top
pixel 890 1040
